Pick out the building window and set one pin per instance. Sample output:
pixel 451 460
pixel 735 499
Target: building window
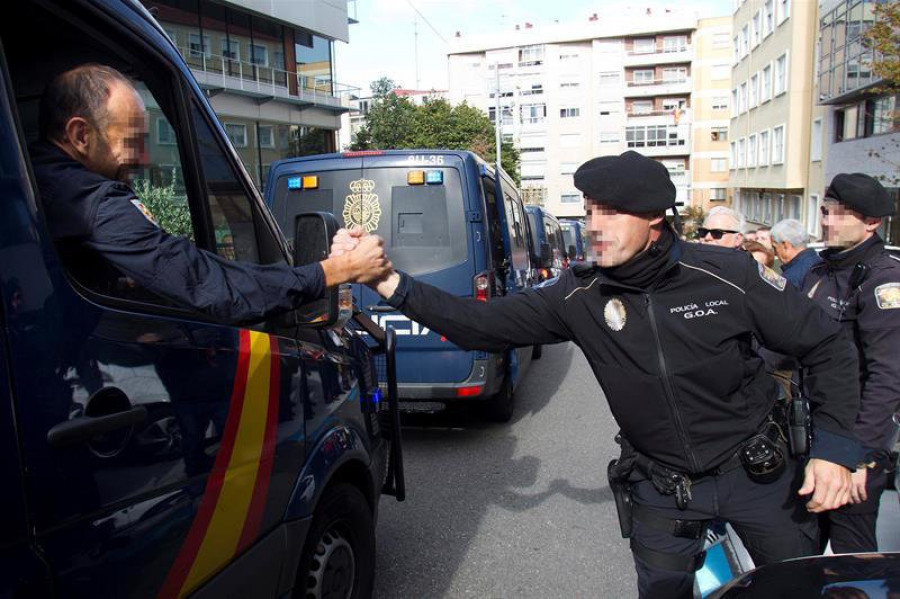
pixel 745 40
pixel 720 103
pixel 718 194
pixel 643 76
pixel 642 107
pixel 741 152
pixel 784 10
pixel 536 89
pixel 719 134
pixel 720 40
pixel 237 133
pixel 885 115
pixel 644 45
pixel 736 50
pixel 751 151
pixel 165 134
pixel 742 98
pixel 609 138
pixel 505 111
pixel 763 149
pixel 259 55
pixel 765 84
pixel 757 28
pixel 568 113
pixel 198 46
pixel 733 162
pixel 676 43
pixel 754 91
pixel 674 74
pixel 815 148
pixel 530 150
pixel 781 74
pixel 569 85
pixel 734 102
pixel 231 49
pixel 266 135
pixel 531 56
pixel 650 136
pixel 569 56
pixel 778 145
pixel 567 168
pixel 812 215
pixel 718 165
pixel 768 17
pixel 609 77
pixel 533 113
pixel 570 198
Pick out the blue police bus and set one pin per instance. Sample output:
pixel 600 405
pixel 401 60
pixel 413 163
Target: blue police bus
pixel 448 219
pixel 574 238
pixel 548 250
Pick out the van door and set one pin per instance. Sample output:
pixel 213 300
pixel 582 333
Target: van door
pixel 158 445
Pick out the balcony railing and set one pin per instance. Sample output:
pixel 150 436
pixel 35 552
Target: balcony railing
pixel 657 87
pixel 677 81
pixel 662 50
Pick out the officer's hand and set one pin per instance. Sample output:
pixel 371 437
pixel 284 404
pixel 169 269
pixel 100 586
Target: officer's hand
pixel 368 261
pixel 829 484
pixel 858 485
pixel 346 240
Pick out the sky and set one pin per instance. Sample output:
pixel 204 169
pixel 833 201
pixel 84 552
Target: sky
pixel 383 43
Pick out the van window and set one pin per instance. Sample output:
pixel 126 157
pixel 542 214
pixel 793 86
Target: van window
pixel 423 226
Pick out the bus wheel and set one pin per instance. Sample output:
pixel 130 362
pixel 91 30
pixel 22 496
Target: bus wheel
pixel 499 408
pixel 537 352
pixel 338 559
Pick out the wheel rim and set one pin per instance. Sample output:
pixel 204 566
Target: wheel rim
pixel 332 570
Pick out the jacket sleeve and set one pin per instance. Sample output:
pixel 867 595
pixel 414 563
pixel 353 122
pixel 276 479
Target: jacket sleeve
pixel 529 317
pixel 174 268
pixel 787 321
pixel 878 335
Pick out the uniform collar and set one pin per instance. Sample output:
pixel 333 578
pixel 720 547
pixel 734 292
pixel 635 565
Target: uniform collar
pixel 840 259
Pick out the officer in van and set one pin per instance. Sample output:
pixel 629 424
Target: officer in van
pixel 858 285
pixel 92 126
pixel 667 328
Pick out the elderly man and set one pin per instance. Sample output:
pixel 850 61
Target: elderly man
pixel 667 326
pixel 722 226
pixel 858 285
pixel 789 241
pixel 93 126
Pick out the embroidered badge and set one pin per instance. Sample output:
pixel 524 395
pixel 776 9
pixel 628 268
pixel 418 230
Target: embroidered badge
pixel 614 314
pixel 145 211
pixel 888 296
pixel 361 207
pixel 771 277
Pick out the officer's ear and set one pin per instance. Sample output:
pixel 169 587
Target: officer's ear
pixel 656 218
pixel 78 134
pixel 872 224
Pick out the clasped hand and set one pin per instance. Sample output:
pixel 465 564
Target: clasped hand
pixel 367 262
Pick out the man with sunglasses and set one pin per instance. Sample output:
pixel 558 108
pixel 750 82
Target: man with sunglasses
pixel 858 285
pixel 723 227
pixel 666 327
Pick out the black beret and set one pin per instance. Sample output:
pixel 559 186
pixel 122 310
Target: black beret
pixel 862 193
pixel 630 182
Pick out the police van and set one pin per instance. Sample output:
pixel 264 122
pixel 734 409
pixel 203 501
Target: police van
pixel 439 214
pixel 574 238
pixel 547 247
pixel 149 451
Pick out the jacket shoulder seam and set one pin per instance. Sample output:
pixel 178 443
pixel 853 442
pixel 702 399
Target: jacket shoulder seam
pixel 715 276
pixel 582 288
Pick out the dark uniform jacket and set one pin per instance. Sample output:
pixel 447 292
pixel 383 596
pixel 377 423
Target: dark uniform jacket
pixel 91 217
pixel 870 313
pixel 675 362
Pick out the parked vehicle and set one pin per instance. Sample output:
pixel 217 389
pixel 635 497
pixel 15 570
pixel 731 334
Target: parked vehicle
pixel 441 221
pixel 149 451
pixel 574 239
pixel 547 248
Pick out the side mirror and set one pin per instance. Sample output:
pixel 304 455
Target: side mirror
pixel 546 255
pixel 313 232
pixel 571 252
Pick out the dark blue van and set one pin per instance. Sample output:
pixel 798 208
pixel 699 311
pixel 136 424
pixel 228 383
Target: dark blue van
pixel 548 250
pixel 574 238
pixel 438 213
pixel 149 451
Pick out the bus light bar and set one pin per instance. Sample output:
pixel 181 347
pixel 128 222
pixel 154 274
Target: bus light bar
pixel 415 177
pixel 434 177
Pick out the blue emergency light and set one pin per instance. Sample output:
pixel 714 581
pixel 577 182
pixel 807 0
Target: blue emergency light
pixel 295 183
pixel 434 177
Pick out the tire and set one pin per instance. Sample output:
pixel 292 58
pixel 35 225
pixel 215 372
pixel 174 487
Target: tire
pixel 500 407
pixel 537 352
pixel 338 560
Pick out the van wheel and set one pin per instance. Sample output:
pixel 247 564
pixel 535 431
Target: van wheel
pixel 499 408
pixel 338 559
pixel 537 352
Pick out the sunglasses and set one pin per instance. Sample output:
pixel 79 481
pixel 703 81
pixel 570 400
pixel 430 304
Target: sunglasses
pixel 716 234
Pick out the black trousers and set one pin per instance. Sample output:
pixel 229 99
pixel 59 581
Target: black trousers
pixel 771 520
pixel 851 529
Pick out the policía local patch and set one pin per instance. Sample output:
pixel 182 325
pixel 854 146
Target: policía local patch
pixel 888 296
pixel 771 277
pixel 614 314
pixel 145 211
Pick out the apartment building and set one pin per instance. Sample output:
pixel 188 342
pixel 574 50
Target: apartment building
pixel 773 44
pixel 268 69
pixel 359 106
pixel 859 126
pixel 711 114
pixel 569 92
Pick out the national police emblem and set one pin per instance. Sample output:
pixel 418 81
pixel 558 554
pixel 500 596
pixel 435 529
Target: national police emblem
pixel 361 207
pixel 614 314
pixel 888 296
pixel 771 277
pixel 145 211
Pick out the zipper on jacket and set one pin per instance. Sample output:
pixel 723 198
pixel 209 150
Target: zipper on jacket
pixel 667 384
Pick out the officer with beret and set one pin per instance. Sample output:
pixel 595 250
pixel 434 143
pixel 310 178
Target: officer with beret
pixel 858 285
pixel 667 328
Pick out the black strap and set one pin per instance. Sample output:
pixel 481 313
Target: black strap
pixel 668 561
pixel 679 527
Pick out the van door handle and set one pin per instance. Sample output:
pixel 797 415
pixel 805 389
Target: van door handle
pixel 84 428
pixel 381 308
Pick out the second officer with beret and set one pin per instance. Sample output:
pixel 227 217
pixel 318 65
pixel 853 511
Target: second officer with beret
pixel 667 328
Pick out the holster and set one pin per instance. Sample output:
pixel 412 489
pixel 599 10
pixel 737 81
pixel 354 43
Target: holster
pixel 621 490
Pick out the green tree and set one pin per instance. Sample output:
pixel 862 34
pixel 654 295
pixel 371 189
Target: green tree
pixel 168 208
pixel 382 87
pixel 883 36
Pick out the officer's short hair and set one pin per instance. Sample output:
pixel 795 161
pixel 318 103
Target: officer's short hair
pixel 79 92
pixel 790 230
pixel 725 210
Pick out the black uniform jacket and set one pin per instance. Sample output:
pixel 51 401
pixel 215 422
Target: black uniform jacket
pixel 675 362
pixel 870 313
pixel 90 216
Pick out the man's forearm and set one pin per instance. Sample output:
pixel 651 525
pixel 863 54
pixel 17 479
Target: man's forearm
pixel 337 270
pixel 387 286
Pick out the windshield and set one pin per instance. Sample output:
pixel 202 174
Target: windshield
pixel 568 232
pixel 423 226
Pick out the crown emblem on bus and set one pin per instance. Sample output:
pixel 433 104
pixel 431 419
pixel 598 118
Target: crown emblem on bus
pixel 361 208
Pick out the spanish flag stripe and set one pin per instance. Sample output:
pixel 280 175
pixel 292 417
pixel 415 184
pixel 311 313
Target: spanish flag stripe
pixel 174 582
pixel 258 503
pixel 220 543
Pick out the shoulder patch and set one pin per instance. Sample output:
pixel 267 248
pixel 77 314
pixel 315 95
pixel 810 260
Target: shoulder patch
pixel 887 296
pixel 771 277
pixel 145 211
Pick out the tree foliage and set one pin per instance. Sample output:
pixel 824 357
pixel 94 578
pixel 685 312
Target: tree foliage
pixel 168 208
pixel 394 122
pixel 883 36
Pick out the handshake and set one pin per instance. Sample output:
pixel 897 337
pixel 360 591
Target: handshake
pixel 358 257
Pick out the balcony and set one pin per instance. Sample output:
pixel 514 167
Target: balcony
pixel 216 73
pixel 671 55
pixel 658 87
pixel 535 196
